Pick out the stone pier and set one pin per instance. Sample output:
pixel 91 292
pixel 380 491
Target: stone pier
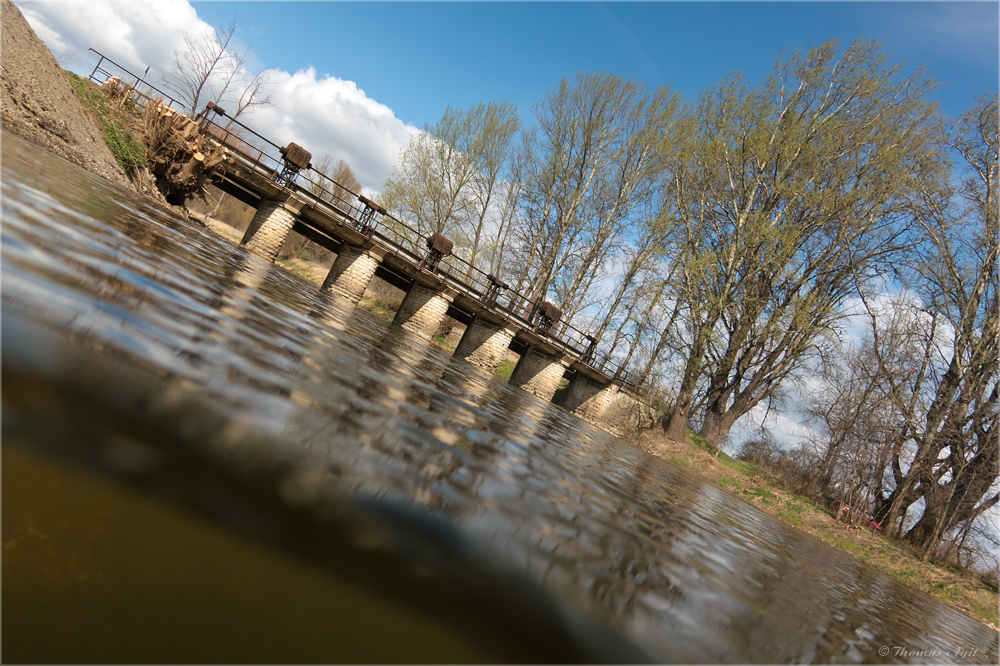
pixel 422 310
pixel 539 373
pixel 351 272
pixel 484 344
pixel 269 228
pixel 590 399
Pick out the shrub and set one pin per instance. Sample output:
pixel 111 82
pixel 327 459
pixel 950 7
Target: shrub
pixel 120 122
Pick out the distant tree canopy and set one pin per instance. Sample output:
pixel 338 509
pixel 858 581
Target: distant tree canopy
pixel 448 179
pixel 717 247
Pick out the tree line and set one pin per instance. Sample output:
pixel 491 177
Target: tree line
pixel 722 248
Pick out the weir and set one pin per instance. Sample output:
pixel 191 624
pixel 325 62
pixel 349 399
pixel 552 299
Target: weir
pixel 289 195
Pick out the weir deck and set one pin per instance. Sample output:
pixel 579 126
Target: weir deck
pixel 331 221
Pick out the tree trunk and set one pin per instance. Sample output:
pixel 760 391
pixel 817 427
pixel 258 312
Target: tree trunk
pixel 717 425
pixel 677 425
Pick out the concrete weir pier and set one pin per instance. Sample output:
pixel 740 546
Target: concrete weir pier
pixel 269 228
pixel 352 271
pixel 423 310
pixel 590 399
pixel 539 374
pixel 484 344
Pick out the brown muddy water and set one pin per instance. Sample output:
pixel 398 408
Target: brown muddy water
pixel 206 459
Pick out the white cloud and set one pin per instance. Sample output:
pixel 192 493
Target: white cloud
pixel 324 114
pixel 135 34
pixel 965 29
pixel 783 425
pixel 331 116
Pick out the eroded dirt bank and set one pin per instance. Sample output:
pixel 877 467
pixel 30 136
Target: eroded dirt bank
pixel 39 105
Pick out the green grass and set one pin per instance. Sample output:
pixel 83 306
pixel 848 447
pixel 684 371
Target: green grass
pixel 763 493
pixel 678 462
pixel 793 512
pixel 947 593
pixel 907 575
pixel 985 609
pixel 700 442
pixel 816 507
pixel 294 268
pixel 791 517
pixel 377 308
pixel 439 341
pixel 730 483
pixel 744 468
pixel 129 152
pixel 505 369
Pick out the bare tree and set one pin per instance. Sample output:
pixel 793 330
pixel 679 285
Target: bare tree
pixel 910 415
pixel 449 178
pixel 856 410
pixel 951 418
pixel 760 450
pixel 210 68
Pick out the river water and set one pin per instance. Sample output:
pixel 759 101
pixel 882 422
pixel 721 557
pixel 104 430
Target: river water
pixel 206 459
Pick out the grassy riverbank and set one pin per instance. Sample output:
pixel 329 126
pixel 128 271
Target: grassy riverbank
pixel 952 585
pixel 956 587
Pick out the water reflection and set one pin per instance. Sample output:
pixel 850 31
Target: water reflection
pixel 136 345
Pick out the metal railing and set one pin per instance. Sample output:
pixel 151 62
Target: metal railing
pixel 399 238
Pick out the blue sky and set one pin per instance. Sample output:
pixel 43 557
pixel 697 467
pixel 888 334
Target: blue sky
pixel 417 58
pixel 355 80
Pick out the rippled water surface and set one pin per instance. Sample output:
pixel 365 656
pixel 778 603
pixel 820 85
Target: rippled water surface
pixel 207 459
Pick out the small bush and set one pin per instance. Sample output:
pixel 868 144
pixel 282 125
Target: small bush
pixel 129 153
pixel 119 121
